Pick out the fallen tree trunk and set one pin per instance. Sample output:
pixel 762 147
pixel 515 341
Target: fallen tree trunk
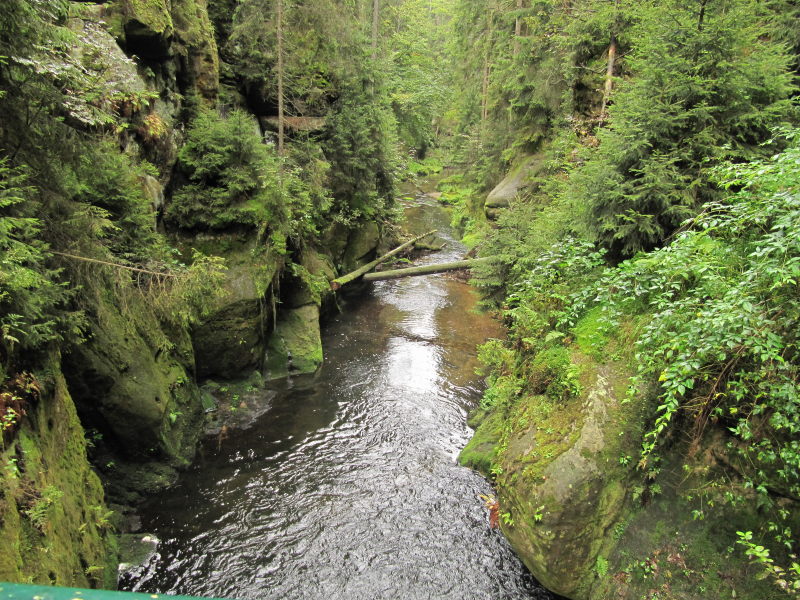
pixel 345 279
pixel 429 269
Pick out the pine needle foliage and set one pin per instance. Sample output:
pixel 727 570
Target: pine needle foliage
pixel 708 82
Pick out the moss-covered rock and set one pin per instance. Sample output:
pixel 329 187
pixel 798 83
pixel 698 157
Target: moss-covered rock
pixel 552 478
pixel 148 28
pixel 197 46
pixel 132 381
pixel 54 524
pixel 589 524
pixel 361 244
pixel 519 179
pixel 231 342
pixel 296 345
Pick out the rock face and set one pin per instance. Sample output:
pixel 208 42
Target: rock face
pixel 580 498
pixel 295 345
pixel 132 380
pixel 589 524
pixel 148 28
pixel 53 518
pixel 518 180
pixel 176 30
pixel 270 320
pixel 231 342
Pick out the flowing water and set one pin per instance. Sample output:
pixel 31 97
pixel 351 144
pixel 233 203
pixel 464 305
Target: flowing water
pixel 347 487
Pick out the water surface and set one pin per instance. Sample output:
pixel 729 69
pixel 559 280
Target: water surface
pixel 347 487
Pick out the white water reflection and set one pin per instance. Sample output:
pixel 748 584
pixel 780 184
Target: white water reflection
pixel 348 487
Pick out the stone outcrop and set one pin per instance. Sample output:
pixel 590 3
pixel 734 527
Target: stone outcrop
pixel 133 381
pixel 590 525
pixel 54 523
pixel 520 179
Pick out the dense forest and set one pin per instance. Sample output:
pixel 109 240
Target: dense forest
pixel 181 180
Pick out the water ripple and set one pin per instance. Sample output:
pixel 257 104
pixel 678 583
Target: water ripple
pixel 349 488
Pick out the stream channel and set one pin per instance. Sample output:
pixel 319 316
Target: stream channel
pixel 347 485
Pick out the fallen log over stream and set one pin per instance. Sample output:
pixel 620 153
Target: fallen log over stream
pixel 344 279
pixel 428 269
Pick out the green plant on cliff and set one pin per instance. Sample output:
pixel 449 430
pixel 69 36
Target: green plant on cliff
pixel 28 293
pixel 39 511
pixel 238 180
pixel 721 337
pixel 362 152
pixel 233 176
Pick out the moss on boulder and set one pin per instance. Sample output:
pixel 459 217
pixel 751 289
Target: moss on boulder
pixel 589 524
pixel 518 180
pixel 148 28
pixel 197 46
pixel 361 245
pixel 295 346
pixel 132 381
pixel 232 340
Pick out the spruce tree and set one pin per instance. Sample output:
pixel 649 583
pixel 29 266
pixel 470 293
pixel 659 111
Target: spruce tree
pixel 709 82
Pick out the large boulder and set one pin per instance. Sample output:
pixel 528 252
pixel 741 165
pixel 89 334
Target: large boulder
pixel 588 523
pixel 361 245
pixel 520 178
pixel 231 342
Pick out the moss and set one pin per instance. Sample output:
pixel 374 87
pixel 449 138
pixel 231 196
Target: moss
pixel 196 34
pixel 152 14
pixel 295 346
pixel 480 453
pixel 591 334
pixel 54 527
pixel 662 549
pixel 231 341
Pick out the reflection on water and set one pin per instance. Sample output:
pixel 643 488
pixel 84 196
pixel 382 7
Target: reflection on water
pixel 348 486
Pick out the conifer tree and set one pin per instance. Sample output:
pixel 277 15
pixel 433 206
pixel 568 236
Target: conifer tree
pixel 708 84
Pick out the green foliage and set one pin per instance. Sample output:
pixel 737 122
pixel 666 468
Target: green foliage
pixel 362 152
pixel 233 176
pixel 601 567
pixel 111 205
pixel 707 85
pixel 39 512
pixel 29 294
pixel 417 70
pixel 192 293
pixel 236 180
pixel 721 340
pixel 787 580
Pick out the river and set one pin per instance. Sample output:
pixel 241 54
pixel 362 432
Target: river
pixel 347 486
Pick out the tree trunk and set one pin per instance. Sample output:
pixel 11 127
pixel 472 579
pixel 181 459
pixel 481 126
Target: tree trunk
pixel 375 19
pixel 487 65
pixel 609 85
pixel 428 269
pixel 517 28
pixel 279 31
pixel 345 279
pixel 702 15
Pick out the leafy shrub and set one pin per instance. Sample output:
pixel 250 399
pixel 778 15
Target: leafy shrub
pixel 233 176
pixel 28 293
pixel 722 337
